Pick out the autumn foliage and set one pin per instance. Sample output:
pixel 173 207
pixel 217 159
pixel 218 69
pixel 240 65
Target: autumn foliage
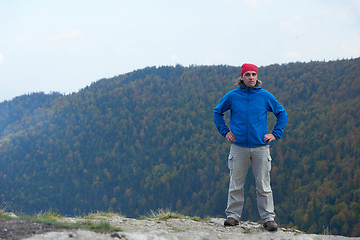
pixel 146 140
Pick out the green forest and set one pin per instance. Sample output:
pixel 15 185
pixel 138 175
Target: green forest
pixel 146 140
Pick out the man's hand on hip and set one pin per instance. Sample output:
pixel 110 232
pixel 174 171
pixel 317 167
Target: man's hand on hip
pixel 230 137
pixel 269 138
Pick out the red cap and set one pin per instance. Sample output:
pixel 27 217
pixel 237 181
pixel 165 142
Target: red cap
pixel 248 67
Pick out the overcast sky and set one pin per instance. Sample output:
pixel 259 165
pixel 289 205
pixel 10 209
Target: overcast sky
pixel 65 45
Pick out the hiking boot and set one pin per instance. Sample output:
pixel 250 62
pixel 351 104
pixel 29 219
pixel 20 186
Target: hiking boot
pixel 270 226
pixel 231 222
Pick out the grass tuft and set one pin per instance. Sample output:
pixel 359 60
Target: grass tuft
pixel 101 214
pixel 165 215
pixel 5 205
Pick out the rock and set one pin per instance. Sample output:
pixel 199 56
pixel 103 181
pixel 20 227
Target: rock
pixel 181 229
pixel 10 214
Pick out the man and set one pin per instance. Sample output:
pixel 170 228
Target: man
pixel 249 139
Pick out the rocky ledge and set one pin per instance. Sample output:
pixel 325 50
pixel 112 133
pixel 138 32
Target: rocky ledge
pixel 176 229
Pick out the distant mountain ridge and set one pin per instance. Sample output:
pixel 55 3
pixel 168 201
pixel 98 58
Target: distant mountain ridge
pixel 146 140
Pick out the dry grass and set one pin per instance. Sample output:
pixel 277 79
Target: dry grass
pixel 164 215
pixel 5 205
pixel 102 214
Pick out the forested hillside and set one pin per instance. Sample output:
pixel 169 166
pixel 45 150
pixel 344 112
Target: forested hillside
pixel 146 140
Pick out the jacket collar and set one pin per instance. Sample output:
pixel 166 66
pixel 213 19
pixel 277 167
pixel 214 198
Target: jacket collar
pixel 246 88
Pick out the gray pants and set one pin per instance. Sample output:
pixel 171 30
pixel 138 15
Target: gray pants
pixel 239 162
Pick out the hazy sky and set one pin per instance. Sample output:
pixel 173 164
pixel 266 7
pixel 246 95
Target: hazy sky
pixel 65 45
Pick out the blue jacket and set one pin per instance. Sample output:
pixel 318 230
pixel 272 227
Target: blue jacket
pixel 248 115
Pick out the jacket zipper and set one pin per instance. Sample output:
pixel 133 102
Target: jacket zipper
pixel 247 115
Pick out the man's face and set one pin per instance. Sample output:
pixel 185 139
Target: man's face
pixel 250 78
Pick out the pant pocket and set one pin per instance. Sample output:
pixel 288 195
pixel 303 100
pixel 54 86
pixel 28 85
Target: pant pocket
pixel 230 162
pixel 269 162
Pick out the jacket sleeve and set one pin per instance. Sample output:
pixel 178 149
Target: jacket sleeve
pixel 281 117
pixel 219 110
